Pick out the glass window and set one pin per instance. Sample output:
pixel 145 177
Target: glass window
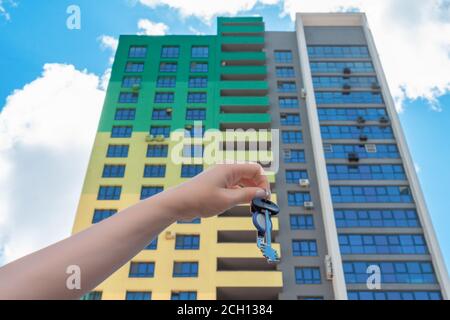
pixel 357 52
pixel 170 51
pixel 134 67
pixel 371 194
pixel 199 52
pixel 161 114
pixel 288 102
pixel 137 52
pixel 302 222
pixel 168 67
pixel 398 218
pixel 166 82
pixel 184 295
pixel 307 275
pixel 342 151
pixel 283 56
pixel 298 199
pixel 290 119
pixel 339 82
pixel 113 171
pixel 141 295
pixel 196 97
pixel 147 192
pixel 153 245
pixel 125 114
pixel 164 97
pixel 352 114
pixel 185 269
pixel 285 72
pixel 357 97
pixel 121 131
pixel 195 114
pixel 293 176
pixel 286 86
pixel 157 151
pixel 304 248
pixel 291 136
pixel 160 131
pixel 94 295
pixel 142 270
pixel 128 97
pixel 109 193
pixel 154 170
pixel 394 295
pixel 131 81
pixel 193 221
pixel 355 132
pixel 102 214
pixel 294 156
pixel 187 242
pixel 341 67
pixel 191 170
pixel 366 172
pixel 198 82
pixel 199 67
pixel 193 151
pixel 117 151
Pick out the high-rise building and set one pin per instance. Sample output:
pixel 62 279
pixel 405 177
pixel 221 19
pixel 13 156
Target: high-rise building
pixel 351 204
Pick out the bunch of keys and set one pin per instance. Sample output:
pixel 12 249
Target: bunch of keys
pixel 262 210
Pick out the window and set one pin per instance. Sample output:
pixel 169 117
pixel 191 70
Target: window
pixel 128 97
pixel 292 136
pixel 125 114
pixel 170 52
pixel 366 172
pixel 131 81
pixel 351 114
pixel 288 102
pixel 382 244
pixel 307 275
pixel 399 218
pixel 138 295
pixel 355 132
pixel 338 52
pixel 285 72
pixel 117 151
pixel 198 82
pixel 157 151
pixel 194 131
pixel 193 221
pixel 142 270
pixel 283 56
pixel 302 222
pixel 290 119
pixel 102 214
pixel 339 82
pixel 134 67
pixel 297 199
pixel 286 86
pixel 304 248
pixel 293 176
pixel 137 52
pixel 294 156
pixel 195 114
pixel 371 194
pixel 166 82
pixel 339 67
pixel 113 171
pixel 335 97
pixel 160 131
pixel 190 170
pixel 153 245
pixel 168 67
pixel 164 97
pixel 309 298
pixel 147 192
pixel 411 272
pixel 187 242
pixel 199 52
pixel 185 269
pixel 184 295
pixel 199 67
pixel 341 151
pixel 161 114
pixel 394 295
pixel 154 171
pixel 121 131
pixel 193 151
pixel 196 97
pixel 94 295
pixel 109 193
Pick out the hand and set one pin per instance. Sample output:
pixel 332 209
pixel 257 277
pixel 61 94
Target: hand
pixel 216 190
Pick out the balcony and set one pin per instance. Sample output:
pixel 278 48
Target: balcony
pixel 241 285
pixel 233 57
pixel 242 30
pixel 242 43
pixel 232 254
pixel 233 88
pixel 244 105
pixel 244 121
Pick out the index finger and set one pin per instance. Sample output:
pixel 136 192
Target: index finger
pixel 248 172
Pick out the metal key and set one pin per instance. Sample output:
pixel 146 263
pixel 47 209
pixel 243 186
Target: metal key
pixel 262 210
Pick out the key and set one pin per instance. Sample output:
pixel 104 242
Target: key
pixel 262 210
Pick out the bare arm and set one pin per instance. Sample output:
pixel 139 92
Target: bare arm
pixel 103 248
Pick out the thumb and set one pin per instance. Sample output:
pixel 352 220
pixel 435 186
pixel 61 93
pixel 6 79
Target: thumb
pixel 245 195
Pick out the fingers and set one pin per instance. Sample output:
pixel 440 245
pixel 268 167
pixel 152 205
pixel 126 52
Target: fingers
pixel 245 195
pixel 247 174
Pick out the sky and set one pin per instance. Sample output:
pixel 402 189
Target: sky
pixel 53 81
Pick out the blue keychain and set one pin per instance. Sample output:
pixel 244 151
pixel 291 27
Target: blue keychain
pixel 262 211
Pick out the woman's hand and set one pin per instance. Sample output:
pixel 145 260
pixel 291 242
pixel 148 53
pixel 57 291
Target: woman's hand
pixel 216 190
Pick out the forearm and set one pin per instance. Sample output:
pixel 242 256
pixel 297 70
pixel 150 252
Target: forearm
pixel 97 251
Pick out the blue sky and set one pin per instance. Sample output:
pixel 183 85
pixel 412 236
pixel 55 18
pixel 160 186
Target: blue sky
pixel 34 33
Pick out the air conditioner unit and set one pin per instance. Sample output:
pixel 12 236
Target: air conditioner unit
pixel 353 157
pixel 363 138
pixel 160 138
pixel 327 148
pixel 371 148
pixel 308 205
pixel 189 127
pixel 170 235
pixel 360 120
pixel 169 110
pixel 328 268
pixel 150 138
pixel 303 183
pixel 347 70
pixel 136 87
pixel 346 87
pixel 375 86
pixel 384 120
pixel 303 93
pixel 224 64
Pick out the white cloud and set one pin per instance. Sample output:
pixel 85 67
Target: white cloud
pixel 150 28
pixel 412 36
pixel 196 31
pixel 109 43
pixel 46 134
pixel 3 11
